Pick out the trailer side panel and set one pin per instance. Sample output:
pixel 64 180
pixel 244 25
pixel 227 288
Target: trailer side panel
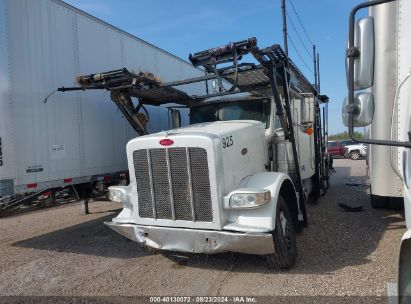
pixel 74 136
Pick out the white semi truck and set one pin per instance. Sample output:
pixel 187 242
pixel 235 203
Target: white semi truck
pixel 379 72
pixel 72 139
pixel 238 178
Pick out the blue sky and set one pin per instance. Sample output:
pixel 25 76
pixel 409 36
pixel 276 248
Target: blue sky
pixel 184 26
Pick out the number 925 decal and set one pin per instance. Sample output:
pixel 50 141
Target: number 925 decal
pixel 227 141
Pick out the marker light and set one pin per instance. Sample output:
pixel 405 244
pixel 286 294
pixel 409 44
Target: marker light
pixel 166 142
pixel 309 131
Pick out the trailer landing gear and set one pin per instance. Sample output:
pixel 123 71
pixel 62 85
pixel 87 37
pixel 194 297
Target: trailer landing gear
pixel 83 194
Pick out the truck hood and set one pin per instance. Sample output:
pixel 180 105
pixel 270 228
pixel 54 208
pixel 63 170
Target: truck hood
pixel 220 155
pixel 219 128
pixel 238 132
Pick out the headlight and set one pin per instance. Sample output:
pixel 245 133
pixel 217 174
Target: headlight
pixel 251 199
pixel 116 194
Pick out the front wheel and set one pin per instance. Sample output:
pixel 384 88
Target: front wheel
pixel 284 238
pixel 354 155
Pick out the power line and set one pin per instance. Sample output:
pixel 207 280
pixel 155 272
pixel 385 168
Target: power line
pixel 298 35
pixel 299 55
pixel 302 25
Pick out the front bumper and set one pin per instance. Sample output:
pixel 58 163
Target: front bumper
pixel 196 240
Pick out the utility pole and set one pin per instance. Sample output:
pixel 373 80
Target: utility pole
pixel 318 72
pixel 284 27
pixel 315 68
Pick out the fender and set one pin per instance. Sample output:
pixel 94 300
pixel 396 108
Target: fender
pixel 262 219
pixel 404 268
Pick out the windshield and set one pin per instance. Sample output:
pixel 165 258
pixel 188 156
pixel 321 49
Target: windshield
pixel 235 110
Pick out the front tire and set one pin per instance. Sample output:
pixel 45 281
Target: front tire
pixel 284 238
pixel 354 155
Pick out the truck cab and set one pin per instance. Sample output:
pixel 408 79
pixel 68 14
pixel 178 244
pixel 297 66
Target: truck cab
pixel 211 183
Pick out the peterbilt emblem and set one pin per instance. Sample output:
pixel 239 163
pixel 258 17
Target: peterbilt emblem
pixel 244 151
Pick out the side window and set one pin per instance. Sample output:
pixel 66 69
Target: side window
pixel 266 112
pixel 233 112
pixel 277 124
pixel 207 113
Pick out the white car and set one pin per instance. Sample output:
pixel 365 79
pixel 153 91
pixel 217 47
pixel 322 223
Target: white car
pixel 355 151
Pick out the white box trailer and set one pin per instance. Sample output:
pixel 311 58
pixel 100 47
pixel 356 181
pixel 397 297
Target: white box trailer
pixel 74 137
pixel 379 95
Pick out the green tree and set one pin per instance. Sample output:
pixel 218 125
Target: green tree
pixel 344 135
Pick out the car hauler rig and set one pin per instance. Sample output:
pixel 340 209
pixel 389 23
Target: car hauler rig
pixel 379 96
pixel 238 178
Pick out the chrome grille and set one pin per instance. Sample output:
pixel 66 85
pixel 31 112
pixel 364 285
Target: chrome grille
pixel 181 184
pixel 141 165
pixel 200 184
pixel 161 185
pixel 173 183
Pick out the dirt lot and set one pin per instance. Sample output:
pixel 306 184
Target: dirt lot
pixel 57 251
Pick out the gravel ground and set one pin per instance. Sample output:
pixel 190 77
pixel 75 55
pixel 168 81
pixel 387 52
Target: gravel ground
pixel 58 252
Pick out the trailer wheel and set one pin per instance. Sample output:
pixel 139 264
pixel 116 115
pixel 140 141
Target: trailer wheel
pixel 321 186
pixel 354 155
pixel 284 238
pixel 326 186
pixel 317 188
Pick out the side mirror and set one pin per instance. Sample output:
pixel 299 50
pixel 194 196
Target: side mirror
pixel 364 63
pixel 175 118
pixel 307 109
pixel 363 109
